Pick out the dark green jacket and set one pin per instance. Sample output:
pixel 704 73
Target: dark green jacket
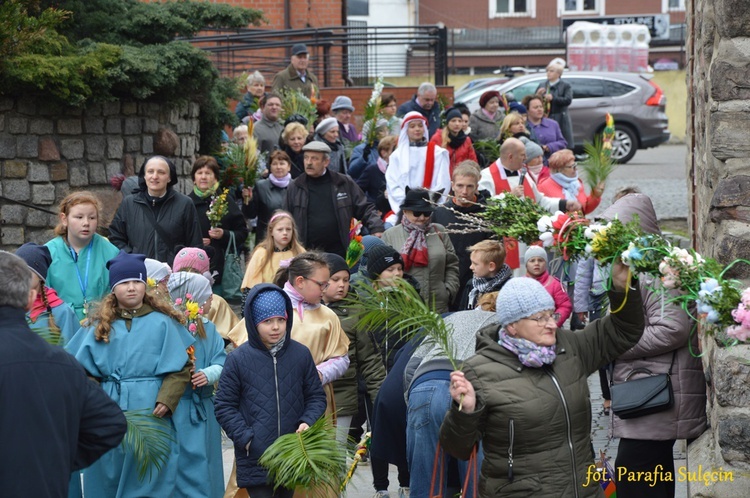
pixel 364 360
pixel 539 418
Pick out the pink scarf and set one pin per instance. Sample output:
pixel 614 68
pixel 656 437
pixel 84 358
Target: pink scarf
pixel 382 165
pixel 414 250
pixel 298 302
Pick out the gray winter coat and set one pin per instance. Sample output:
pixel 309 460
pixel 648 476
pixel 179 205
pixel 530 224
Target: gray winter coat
pixel 483 127
pixel 668 330
pixel 439 279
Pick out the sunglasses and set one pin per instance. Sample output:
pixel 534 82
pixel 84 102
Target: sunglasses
pixel 424 214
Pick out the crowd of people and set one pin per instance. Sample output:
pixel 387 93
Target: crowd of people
pixel 142 309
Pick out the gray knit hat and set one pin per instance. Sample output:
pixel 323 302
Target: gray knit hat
pixel 520 298
pixel 533 150
pixel 535 252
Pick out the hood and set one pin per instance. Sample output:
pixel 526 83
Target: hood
pixel 626 207
pixel 172 173
pixel 252 333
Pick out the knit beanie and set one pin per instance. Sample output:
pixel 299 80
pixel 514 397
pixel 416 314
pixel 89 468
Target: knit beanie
pixel 37 258
pixel 370 242
pixel 517 107
pixel 381 258
pixel 336 263
pixel 157 270
pixel 535 252
pixel 533 150
pixel 126 267
pixel 191 258
pixel 183 283
pixel 486 96
pixel 522 297
pixel 325 125
pixel 267 304
pixel 452 113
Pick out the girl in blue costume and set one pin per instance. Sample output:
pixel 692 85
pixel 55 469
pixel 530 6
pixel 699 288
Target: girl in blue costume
pixel 200 473
pixel 49 315
pixel 135 344
pixel 79 254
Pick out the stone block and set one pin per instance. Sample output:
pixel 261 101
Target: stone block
pixel 11 236
pixel 97 174
pixel 17 126
pixel 40 236
pixel 28 146
pixel 194 110
pixel 149 109
pixel 49 109
pixel 113 168
pixel 6 105
pixel 729 134
pixel 72 148
pixel 62 189
pixel 731 376
pixel 128 165
pixel 79 175
pixel 13 214
pixel 17 190
pixel 15 169
pixel 95 147
pixel 69 127
pixel 37 218
pixel 48 150
pixel 133 126
pixel 41 126
pixel 733 436
pixel 43 194
pixel 150 125
pixel 129 108
pixel 7 147
pixel 38 172
pixel 27 106
pixel 733 244
pixel 93 110
pixel 114 125
pixel 114 148
pixel 182 126
pixel 93 125
pixel 58 172
pixel 2 122
pixel 132 144
pixel 732 18
pixel 111 108
pixel 148 145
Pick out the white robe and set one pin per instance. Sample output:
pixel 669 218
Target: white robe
pixel 400 175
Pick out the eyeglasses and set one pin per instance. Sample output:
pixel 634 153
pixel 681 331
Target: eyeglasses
pixel 425 214
pixel 323 285
pixel 543 319
pixel 571 166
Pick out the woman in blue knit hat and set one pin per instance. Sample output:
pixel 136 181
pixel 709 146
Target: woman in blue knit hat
pixel 525 393
pixel 135 344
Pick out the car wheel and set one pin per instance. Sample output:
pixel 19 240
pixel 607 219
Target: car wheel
pixel 624 145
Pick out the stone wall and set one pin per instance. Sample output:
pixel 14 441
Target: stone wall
pixel 46 152
pixel 718 135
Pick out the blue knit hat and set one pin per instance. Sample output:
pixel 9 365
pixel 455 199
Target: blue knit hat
pixel 517 107
pixel 520 298
pixel 37 258
pixel 126 267
pixel 267 304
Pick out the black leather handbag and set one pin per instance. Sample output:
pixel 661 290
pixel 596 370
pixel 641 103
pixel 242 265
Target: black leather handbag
pixel 644 396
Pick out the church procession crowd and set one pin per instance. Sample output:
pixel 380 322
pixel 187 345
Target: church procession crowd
pixel 145 312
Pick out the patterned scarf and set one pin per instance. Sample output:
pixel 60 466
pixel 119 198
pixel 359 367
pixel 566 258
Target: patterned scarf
pixel 529 354
pixel 298 302
pixel 483 285
pixel 277 347
pixel 571 186
pixel 414 251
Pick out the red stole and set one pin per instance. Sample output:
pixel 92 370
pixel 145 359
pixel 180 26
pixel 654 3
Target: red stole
pixel 512 255
pixel 429 166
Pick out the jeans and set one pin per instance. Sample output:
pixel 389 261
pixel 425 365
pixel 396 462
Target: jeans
pixel 428 403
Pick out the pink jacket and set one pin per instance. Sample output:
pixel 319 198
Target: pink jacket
pixel 551 188
pixel 555 289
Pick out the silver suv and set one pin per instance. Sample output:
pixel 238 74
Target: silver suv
pixel 636 103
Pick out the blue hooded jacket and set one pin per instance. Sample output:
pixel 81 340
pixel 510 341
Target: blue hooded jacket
pixel 262 397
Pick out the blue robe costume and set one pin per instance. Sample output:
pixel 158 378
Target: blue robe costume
pixel 64 278
pixel 65 319
pixel 132 367
pixel 200 473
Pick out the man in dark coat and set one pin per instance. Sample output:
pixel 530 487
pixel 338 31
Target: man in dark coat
pixel 323 204
pixel 296 76
pixel 425 103
pixel 54 419
pixel 158 218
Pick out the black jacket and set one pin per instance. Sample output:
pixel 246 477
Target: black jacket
pixel 267 198
pixel 432 116
pixel 348 198
pixel 233 221
pixel 54 419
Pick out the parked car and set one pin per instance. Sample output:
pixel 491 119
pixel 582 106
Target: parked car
pixel 636 103
pixel 477 87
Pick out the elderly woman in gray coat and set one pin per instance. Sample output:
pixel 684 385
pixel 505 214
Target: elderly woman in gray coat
pixel 646 442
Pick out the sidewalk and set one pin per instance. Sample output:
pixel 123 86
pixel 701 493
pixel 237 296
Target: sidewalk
pixel 361 485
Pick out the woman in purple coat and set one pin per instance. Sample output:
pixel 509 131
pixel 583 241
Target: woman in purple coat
pixel 547 131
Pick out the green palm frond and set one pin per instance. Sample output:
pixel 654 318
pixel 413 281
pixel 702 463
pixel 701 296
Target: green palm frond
pixel 489 148
pixel 312 460
pixel 149 438
pixel 52 337
pixel 598 165
pixel 401 308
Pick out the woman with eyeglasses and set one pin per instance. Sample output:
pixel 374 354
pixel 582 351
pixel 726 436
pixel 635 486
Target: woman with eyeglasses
pixel 563 182
pixel 426 249
pixel 525 394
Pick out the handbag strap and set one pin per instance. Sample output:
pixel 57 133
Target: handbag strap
pixel 471 472
pixel 231 246
pixel 611 369
pixel 437 472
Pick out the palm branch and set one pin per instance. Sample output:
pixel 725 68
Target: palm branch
pixel 598 165
pixel 313 460
pixel 52 337
pixel 489 148
pixel 149 439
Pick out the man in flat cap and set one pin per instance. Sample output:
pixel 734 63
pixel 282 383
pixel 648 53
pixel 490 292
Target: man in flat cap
pixel 324 202
pixel 297 76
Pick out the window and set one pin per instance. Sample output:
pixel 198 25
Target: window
pixel 512 8
pixel 617 89
pixel 585 88
pixel 582 6
pixel 672 5
pixel 525 89
pixel 358 7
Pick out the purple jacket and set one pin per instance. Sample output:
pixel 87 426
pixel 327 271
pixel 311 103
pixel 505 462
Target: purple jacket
pixel 352 135
pixel 548 133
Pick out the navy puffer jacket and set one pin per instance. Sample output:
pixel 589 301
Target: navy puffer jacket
pixel 261 397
